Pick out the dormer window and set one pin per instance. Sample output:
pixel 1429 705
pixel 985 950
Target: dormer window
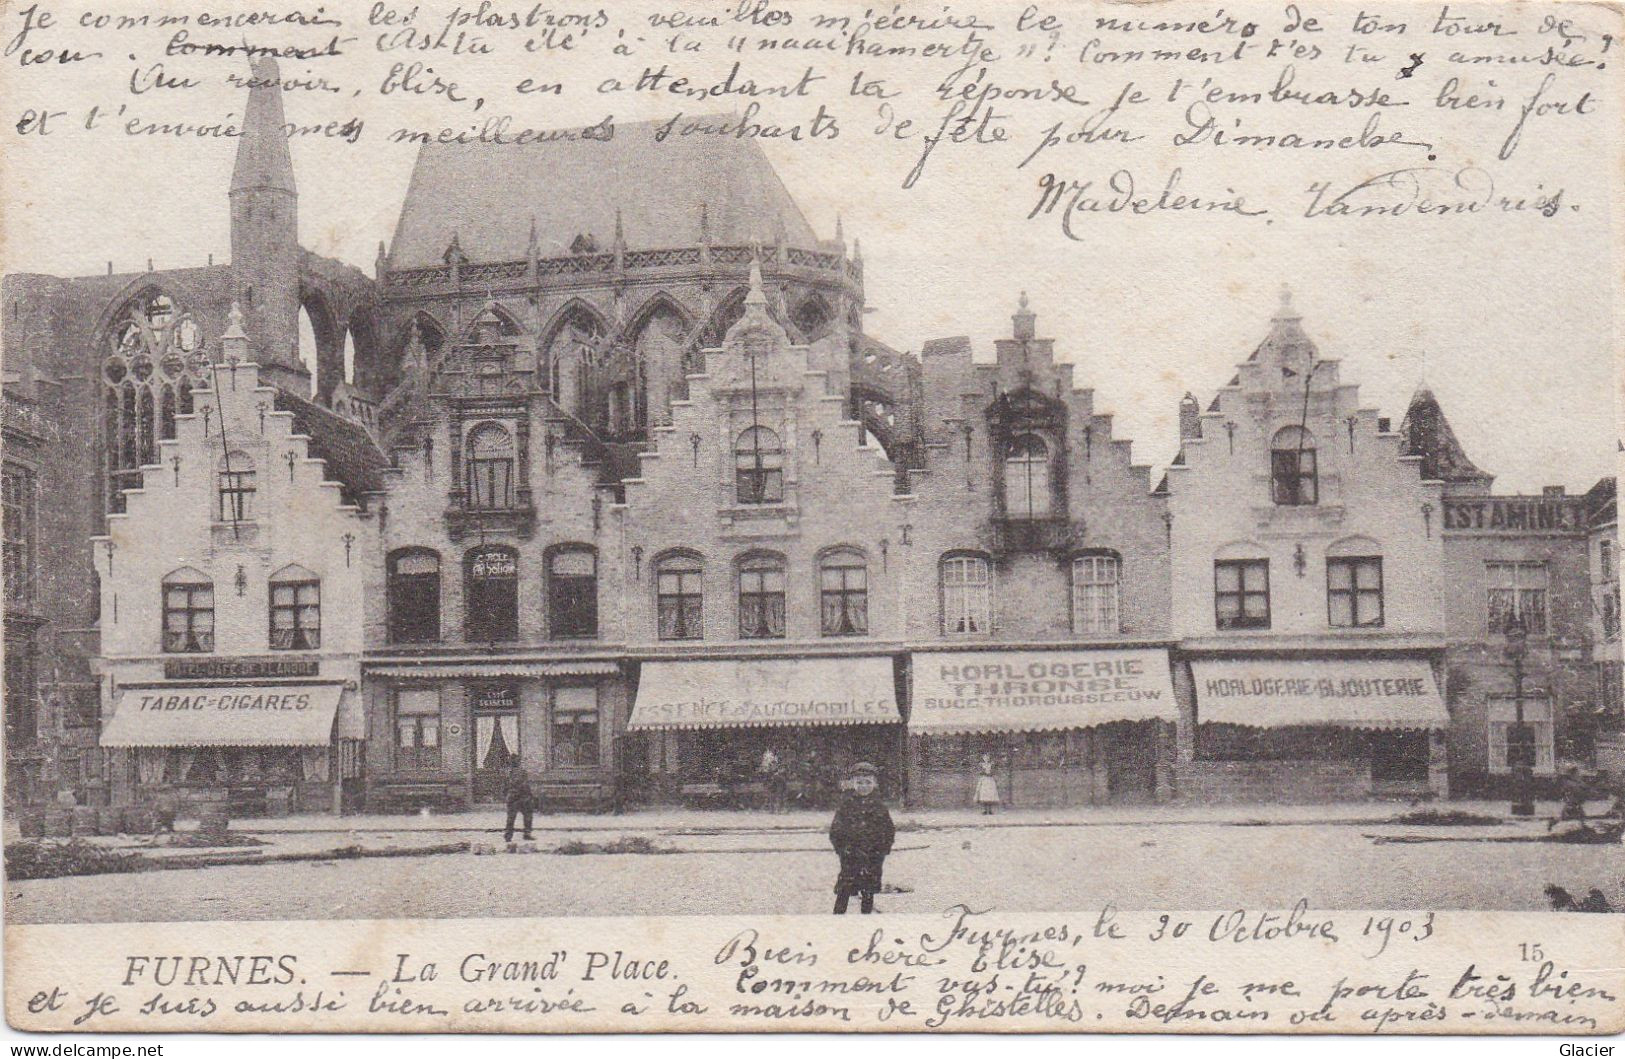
pixel 759 467
pixel 1293 478
pixel 1027 478
pixel 236 487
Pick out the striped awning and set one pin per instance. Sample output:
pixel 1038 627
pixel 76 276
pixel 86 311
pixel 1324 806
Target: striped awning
pixel 757 692
pixel 190 715
pixel 1343 693
pixel 448 670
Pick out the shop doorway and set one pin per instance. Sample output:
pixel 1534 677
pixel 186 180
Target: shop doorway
pixel 496 747
pixel 1130 755
pixel 1399 758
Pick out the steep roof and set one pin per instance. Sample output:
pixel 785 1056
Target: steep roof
pixel 486 194
pixel 353 460
pixel 1427 434
pixel 263 160
pixel 1601 503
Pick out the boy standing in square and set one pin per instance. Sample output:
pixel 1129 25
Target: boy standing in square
pixel 862 834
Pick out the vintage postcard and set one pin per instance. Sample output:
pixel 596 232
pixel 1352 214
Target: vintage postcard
pixel 782 515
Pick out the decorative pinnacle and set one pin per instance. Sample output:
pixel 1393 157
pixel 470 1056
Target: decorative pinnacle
pixel 756 295
pixel 1285 310
pixel 234 323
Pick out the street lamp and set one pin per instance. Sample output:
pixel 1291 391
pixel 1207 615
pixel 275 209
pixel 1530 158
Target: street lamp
pixel 1521 737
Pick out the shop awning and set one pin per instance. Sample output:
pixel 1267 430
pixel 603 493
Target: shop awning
pixel 755 692
pixel 452 670
pixel 188 715
pixel 1033 691
pixel 1346 693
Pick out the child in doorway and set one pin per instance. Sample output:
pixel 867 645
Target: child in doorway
pixel 862 834
pixel 987 788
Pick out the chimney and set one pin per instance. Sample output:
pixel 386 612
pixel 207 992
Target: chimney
pixel 1552 491
pixel 1190 417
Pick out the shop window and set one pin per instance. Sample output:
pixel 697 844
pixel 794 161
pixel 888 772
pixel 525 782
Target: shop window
pixel 1095 595
pixel 414 596
pixel 1294 480
pixel 188 612
pixel 1517 592
pixel 491 594
pixel 679 597
pixel 575 727
pixel 21 518
pixel 1237 742
pixel 1607 559
pixel 1354 591
pixel 1537 714
pixel 490 468
pixel 759 467
pixel 296 610
pixel 967 597
pixel 1027 478
pixel 417 729
pixel 236 487
pixel 761 597
pixel 843 593
pixel 572 593
pixel 1241 593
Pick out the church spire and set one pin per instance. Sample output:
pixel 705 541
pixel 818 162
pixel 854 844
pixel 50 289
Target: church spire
pixel 265 232
pixel 263 160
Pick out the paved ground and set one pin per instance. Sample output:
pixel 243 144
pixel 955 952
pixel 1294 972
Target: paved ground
pixel 1335 857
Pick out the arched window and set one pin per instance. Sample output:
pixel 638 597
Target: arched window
pixel 967 596
pixel 491 594
pixel 572 592
pixel 490 468
pixel 296 610
pixel 1095 596
pixel 414 596
pixel 236 487
pixel 188 612
pixel 679 597
pixel 1027 478
pixel 759 467
pixel 843 594
pixel 761 597
pixel 1293 478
